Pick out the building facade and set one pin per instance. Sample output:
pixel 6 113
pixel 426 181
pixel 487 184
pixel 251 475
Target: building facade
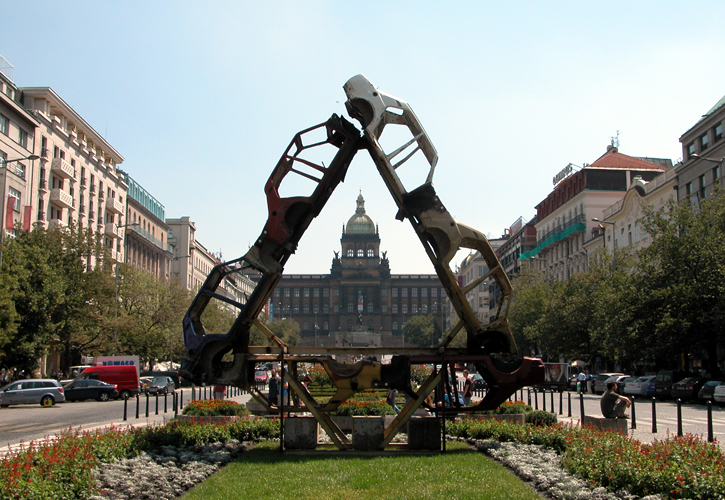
pixel 146 231
pixel 564 219
pixel 359 302
pixel 703 152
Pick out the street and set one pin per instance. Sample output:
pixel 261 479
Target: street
pixel 24 423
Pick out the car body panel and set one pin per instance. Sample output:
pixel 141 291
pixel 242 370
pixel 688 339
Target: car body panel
pixel 687 389
pixel 600 385
pixel 31 391
pixel 707 390
pixel 719 394
pixel 80 390
pixel 161 385
pixel 641 386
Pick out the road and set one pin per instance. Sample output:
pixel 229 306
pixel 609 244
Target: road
pixel 25 423
pixel 31 422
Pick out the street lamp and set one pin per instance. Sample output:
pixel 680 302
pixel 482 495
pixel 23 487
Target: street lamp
pixel 115 279
pixel 614 241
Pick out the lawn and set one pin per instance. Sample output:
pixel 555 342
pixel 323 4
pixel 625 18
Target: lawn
pixel 459 473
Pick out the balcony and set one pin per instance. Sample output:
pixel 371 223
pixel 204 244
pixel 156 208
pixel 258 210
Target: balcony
pixel 63 169
pixel 61 198
pixel 43 187
pixel 575 225
pixel 56 223
pixel 115 206
pixel 111 230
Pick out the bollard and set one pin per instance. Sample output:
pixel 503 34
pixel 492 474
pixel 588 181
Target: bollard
pixel 180 400
pixel 679 417
pixel 634 415
pixel 176 404
pixel 192 392
pixel 654 416
pixel 581 407
pixel 165 400
pixel 710 437
pixel 561 403
pixel 157 403
pixel 543 399
pixel 138 403
pixel 569 404
pixel 125 409
pixel 147 405
pixel 204 392
pixel 552 402
pixel 528 392
pixel 536 399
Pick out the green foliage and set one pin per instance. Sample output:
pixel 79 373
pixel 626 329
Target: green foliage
pixel 215 408
pixel 419 374
pixel 540 417
pixel 184 433
pixel 678 467
pixel 421 331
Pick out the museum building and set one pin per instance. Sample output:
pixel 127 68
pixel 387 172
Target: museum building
pixel 360 303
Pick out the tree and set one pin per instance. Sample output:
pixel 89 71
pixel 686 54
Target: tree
pixel 421 331
pixel 50 289
pixel 148 322
pixel 682 280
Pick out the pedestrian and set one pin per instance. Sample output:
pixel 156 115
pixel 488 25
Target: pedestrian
pixel 390 399
pixel 274 387
pixel 305 381
pixel 285 392
pixel 612 404
pixel 219 391
pixel 580 380
pixel 467 388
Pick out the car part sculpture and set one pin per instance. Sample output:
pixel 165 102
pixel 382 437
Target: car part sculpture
pixel 227 358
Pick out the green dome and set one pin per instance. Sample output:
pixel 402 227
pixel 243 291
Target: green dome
pixel 360 222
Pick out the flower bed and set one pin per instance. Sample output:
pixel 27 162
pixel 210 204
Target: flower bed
pixel 680 467
pixel 215 408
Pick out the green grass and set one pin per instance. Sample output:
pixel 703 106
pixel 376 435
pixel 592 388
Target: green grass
pixel 460 473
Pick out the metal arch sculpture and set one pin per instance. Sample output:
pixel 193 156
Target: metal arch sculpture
pixel 228 358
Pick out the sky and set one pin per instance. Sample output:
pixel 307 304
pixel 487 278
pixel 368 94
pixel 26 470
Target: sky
pixel 202 98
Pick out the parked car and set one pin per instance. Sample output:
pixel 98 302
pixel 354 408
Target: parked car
pixel 144 383
pixel 622 382
pixel 261 377
pixel 687 389
pixel 641 386
pixel 47 392
pixel 706 391
pixel 664 381
pixel 161 385
pixel 80 390
pixel 600 383
pixel 171 373
pixel 719 394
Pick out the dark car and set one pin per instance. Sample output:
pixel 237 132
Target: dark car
pixel 80 390
pixel 707 391
pixel 687 389
pixel 160 385
pixel 173 374
pixel 664 381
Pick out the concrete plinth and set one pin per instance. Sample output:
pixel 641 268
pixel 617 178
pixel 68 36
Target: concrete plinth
pixel 612 424
pixel 424 433
pixel 367 432
pixel 300 433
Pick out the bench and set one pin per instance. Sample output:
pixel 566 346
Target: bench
pixel 612 424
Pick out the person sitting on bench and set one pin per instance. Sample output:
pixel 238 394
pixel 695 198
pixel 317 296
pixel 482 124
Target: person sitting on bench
pixel 612 404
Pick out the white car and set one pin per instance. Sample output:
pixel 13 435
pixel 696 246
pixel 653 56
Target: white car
pixel 719 394
pixel 639 386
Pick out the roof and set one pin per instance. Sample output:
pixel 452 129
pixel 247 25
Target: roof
pixel 613 159
pixel 360 222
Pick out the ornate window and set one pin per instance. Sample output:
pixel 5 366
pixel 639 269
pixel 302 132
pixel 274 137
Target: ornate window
pixel 371 252
pixel 361 252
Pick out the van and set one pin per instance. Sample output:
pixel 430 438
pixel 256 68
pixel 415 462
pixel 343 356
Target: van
pixel 125 377
pixel 664 381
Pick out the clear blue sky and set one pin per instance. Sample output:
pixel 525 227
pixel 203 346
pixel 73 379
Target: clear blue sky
pixel 202 98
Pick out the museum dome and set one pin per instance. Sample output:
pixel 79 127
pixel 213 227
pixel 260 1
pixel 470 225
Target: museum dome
pixel 360 222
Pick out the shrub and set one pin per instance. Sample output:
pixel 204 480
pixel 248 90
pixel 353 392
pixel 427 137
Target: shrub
pixel 540 417
pixel 215 408
pixel 354 408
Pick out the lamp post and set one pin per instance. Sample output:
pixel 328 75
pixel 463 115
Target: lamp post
pixel 614 240
pixel 115 280
pixel 2 208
